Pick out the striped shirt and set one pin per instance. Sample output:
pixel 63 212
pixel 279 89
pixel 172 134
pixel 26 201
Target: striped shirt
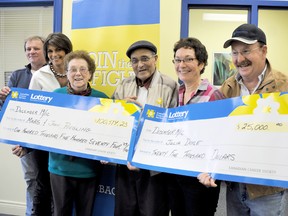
pixel 205 92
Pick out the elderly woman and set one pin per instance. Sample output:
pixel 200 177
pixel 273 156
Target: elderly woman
pixel 74 180
pixel 190 59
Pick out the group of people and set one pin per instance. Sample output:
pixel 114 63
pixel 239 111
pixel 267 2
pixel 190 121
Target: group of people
pixel 67 182
pixel 57 184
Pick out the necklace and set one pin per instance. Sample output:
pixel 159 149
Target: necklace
pixel 56 74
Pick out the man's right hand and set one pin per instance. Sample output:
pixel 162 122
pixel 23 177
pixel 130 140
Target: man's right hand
pixel 206 179
pixel 4 92
pixel 19 151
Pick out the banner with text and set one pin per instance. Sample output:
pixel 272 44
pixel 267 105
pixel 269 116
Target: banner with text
pixel 241 139
pixel 95 128
pixel 106 28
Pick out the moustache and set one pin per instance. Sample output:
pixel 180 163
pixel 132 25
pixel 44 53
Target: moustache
pixel 244 63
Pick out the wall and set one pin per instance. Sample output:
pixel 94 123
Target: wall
pixel 12 187
pixel 274 24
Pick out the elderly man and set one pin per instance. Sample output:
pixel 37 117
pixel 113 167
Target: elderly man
pixel 255 76
pixel 144 192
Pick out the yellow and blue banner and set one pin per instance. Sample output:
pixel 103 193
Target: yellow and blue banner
pixel 106 28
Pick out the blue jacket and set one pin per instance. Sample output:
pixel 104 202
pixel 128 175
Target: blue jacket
pixel 20 79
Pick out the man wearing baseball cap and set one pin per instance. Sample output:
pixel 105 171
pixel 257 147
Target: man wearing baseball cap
pixel 144 192
pixel 254 76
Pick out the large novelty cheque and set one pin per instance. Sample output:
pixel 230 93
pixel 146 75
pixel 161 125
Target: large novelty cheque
pixel 88 127
pixel 243 139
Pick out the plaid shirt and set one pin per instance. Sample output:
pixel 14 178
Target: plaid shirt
pixel 205 92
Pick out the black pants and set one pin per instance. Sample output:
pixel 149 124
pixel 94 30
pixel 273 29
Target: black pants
pixel 69 193
pixel 42 196
pixel 139 194
pixel 198 200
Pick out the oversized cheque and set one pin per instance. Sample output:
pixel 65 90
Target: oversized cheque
pixel 87 127
pixel 243 139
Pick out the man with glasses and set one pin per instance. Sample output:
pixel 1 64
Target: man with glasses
pixel 255 76
pixel 144 192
